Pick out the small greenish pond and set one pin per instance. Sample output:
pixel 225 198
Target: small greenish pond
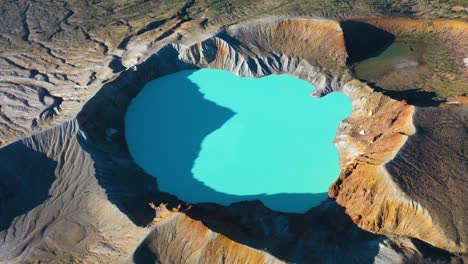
pixel 399 55
pixel 211 136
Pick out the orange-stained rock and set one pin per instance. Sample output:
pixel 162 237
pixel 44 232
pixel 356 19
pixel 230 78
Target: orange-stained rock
pixel 318 41
pixel 180 239
pixel 367 140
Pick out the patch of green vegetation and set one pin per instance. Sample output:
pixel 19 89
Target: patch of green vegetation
pixel 324 8
pixel 93 14
pixel 443 77
pixel 98 13
pixel 346 8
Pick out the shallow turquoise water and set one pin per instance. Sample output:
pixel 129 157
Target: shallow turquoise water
pixel 210 136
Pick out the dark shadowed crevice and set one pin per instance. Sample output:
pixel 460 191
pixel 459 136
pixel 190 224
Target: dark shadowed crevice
pixel 151 26
pixel 143 255
pixel 364 41
pixel 116 65
pixel 431 255
pixel 127 186
pixel 25 178
pixel 322 235
pixel 416 97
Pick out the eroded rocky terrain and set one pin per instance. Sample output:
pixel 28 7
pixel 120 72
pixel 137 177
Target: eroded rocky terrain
pixel 71 193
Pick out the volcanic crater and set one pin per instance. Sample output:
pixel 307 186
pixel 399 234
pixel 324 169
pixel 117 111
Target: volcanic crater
pixel 374 209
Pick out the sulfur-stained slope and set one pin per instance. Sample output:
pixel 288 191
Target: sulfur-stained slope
pixel 180 239
pixel 376 192
pixel 318 41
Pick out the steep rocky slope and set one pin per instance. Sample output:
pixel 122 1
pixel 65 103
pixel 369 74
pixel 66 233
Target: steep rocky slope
pixel 383 202
pixel 90 203
pixel 445 178
pixel 438 61
pixel 55 55
pixel 365 146
pixel 53 207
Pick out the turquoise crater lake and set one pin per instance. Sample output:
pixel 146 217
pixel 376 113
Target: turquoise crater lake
pixel 210 136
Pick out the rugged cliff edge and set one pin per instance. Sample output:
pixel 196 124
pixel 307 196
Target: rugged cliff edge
pixel 91 202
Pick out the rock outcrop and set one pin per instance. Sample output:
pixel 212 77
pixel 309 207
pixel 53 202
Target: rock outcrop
pixel 53 209
pixel 180 239
pixel 318 41
pixel 374 199
pixel 437 182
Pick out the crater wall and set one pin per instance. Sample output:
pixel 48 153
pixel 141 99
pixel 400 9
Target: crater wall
pixel 92 151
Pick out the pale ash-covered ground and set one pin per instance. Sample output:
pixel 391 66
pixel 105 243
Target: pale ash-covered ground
pixel 54 55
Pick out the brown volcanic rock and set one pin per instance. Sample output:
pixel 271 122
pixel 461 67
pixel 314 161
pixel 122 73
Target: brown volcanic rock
pixel 456 101
pixel 53 209
pixel 180 239
pixel 434 174
pixel 381 202
pixel 55 55
pixel 318 41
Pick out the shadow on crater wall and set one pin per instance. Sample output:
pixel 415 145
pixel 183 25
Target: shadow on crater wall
pixel 25 178
pixel 364 41
pixel 324 232
pixel 322 235
pixel 249 223
pixel 416 97
pixel 143 255
pixel 127 185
